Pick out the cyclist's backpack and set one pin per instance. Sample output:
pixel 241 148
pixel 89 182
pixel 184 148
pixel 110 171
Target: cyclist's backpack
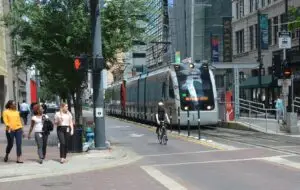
pixel 47 125
pixel 161 113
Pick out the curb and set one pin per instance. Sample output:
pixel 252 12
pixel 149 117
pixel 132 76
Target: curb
pixel 182 136
pixel 126 157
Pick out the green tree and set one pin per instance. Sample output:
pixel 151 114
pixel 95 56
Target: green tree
pixel 50 35
pixel 46 94
pixel 294 18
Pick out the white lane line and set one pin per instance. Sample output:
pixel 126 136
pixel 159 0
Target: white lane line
pixel 292 146
pixel 218 161
pixel 283 161
pixel 166 181
pixel 196 152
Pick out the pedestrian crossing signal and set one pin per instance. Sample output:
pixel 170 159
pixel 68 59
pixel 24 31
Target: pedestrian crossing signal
pixel 77 64
pixel 287 71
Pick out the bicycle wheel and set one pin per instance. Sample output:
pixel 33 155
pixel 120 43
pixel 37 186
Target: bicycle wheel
pixel 164 137
pixel 159 136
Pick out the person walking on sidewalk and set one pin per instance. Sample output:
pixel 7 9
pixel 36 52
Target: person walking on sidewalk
pixel 41 136
pixel 64 122
pixel 279 108
pixel 24 110
pixel 14 129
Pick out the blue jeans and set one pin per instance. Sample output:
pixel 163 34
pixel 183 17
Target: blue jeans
pixel 10 141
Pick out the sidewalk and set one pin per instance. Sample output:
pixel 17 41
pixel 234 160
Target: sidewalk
pixel 94 160
pixel 269 126
pixel 76 163
pixel 29 149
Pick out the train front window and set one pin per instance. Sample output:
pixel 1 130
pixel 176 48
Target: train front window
pixel 196 92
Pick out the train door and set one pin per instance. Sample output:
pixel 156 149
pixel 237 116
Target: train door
pixel 123 98
pixel 144 98
pixel 138 100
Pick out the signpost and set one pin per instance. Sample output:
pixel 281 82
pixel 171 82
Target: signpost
pixel 285 40
pixel 285 43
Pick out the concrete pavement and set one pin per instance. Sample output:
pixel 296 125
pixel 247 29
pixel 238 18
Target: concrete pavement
pixel 183 163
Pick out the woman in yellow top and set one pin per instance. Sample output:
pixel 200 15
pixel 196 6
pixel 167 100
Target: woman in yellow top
pixel 14 129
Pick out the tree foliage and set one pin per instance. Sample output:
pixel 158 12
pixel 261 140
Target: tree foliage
pixel 294 18
pixel 120 18
pixel 51 34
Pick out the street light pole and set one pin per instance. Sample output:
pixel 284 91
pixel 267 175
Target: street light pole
pixel 98 65
pixel 259 58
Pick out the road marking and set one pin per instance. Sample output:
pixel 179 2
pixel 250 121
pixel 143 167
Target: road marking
pixel 218 161
pixel 166 181
pixel 291 146
pixel 118 127
pixel 136 135
pixel 183 153
pixel 282 161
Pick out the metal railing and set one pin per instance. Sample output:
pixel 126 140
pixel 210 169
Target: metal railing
pixel 296 104
pixel 251 107
pixel 266 123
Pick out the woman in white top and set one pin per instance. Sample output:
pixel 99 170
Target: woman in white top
pixel 41 137
pixel 64 122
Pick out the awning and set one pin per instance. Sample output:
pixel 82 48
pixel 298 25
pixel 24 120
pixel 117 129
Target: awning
pixel 3 72
pixel 252 82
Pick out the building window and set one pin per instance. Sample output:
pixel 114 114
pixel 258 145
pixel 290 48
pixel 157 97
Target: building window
pixel 251 37
pixel 275 22
pixel 282 20
pixel 237 10
pixel 263 3
pixel 270 31
pixel 240 9
pixel 240 45
pixel 251 5
pixel 269 1
pixel 256 36
pixel 256 4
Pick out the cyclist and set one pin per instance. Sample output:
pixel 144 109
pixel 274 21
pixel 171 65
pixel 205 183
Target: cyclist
pixel 161 115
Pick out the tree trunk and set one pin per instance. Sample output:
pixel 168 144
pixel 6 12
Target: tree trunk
pixel 78 106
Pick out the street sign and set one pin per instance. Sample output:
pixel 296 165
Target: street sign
pixel 285 41
pixel 99 112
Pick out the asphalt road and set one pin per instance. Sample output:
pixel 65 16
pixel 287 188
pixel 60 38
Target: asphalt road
pixel 186 165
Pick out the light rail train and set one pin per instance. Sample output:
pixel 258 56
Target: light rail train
pixel 184 88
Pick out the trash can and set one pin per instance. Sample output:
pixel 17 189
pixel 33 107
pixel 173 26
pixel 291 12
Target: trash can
pixel 75 141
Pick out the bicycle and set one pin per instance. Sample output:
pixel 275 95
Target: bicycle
pixel 162 134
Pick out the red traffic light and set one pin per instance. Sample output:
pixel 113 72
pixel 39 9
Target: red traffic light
pixel 77 63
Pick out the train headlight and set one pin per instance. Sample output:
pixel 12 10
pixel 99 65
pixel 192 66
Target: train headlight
pixel 186 107
pixel 192 65
pixel 209 107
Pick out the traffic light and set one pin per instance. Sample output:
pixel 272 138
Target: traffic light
pixel 81 63
pixel 277 66
pixel 287 71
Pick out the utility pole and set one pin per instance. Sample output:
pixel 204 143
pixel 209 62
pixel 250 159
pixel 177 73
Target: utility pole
pixel 286 20
pixel 98 65
pixel 259 59
pixel 185 28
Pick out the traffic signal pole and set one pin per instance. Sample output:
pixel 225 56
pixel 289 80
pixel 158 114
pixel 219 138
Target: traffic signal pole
pixel 98 65
pixel 259 58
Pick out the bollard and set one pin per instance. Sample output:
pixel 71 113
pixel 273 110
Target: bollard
pixel 178 120
pixel 151 111
pixel 199 132
pixel 188 122
pixel 171 127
